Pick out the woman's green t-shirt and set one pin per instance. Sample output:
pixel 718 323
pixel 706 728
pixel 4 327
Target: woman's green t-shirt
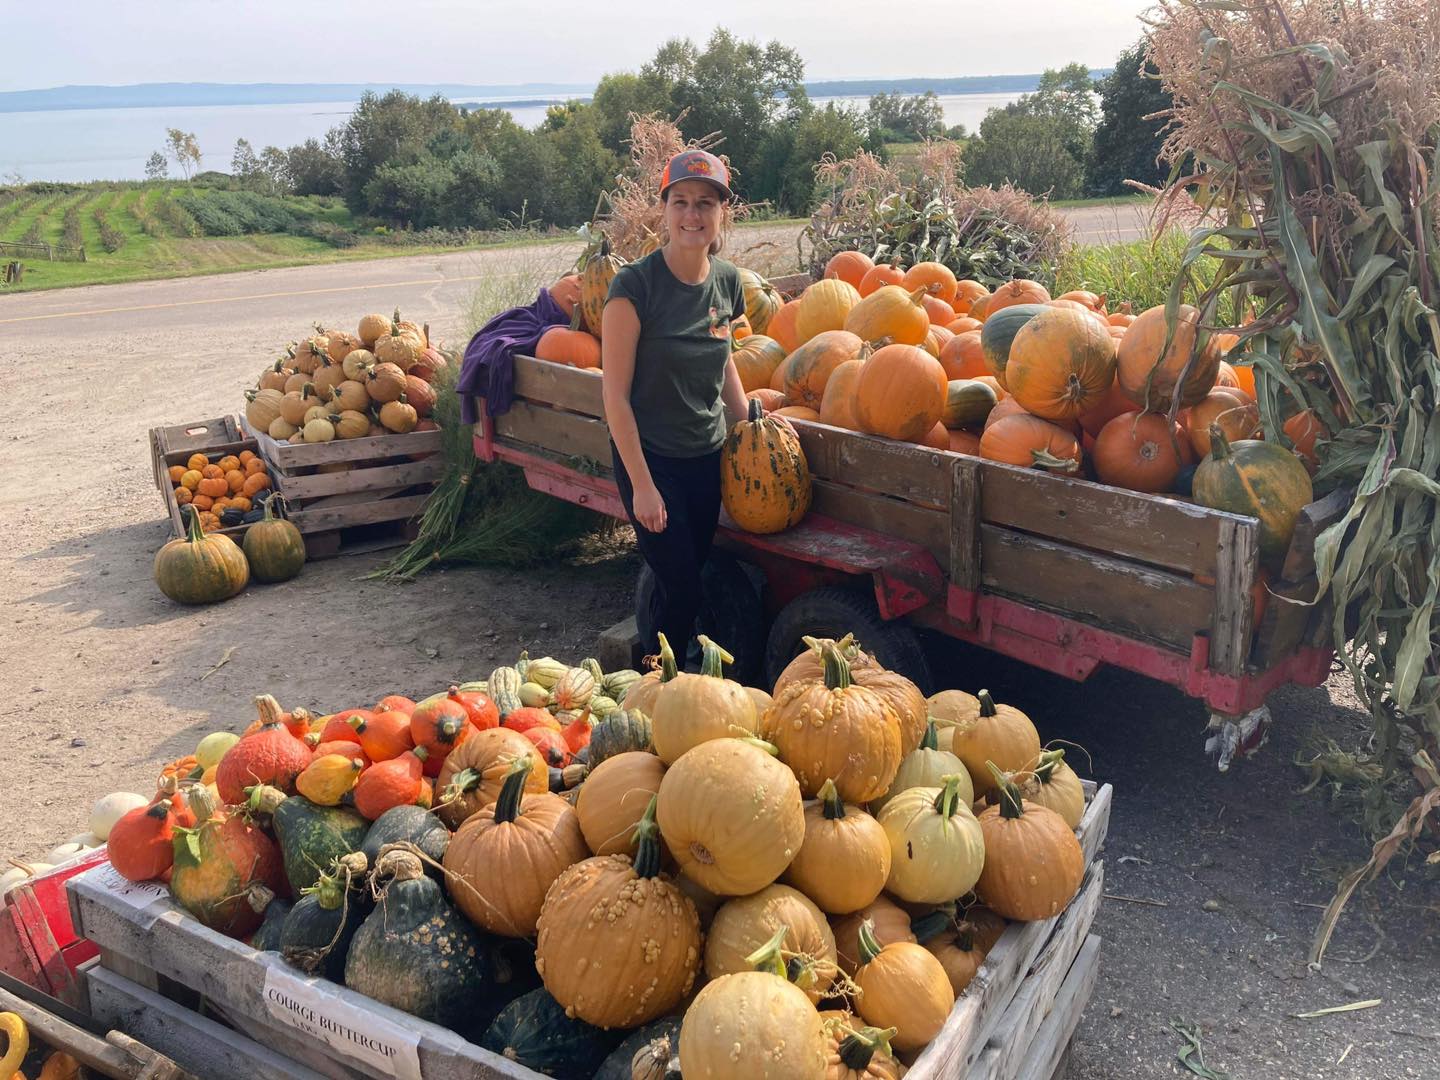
pixel 681 354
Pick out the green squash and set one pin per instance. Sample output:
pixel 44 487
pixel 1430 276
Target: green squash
pixel 762 300
pixel 617 684
pixel 274 547
pixel 967 403
pixel 267 937
pixel 413 825
pixel 312 837
pixel 999 332
pixel 1259 479
pixel 417 953
pixel 619 733
pixel 200 569
pixel 534 1031
pixel 618 1065
pixel 317 932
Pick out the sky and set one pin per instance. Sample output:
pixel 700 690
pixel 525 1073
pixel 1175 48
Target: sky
pixel 118 42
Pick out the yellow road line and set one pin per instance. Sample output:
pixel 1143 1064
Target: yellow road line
pixel 235 299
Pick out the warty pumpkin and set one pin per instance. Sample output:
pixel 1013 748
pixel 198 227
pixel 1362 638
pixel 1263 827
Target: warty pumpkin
pixel 902 695
pixel 693 709
pixel 1060 364
pixel 1033 862
pixel 1138 451
pixel 1151 363
pixel 778 927
pixel 200 569
pixel 732 815
pixel 807 370
pixel 900 393
pixel 752 1024
pixel 1259 479
pixel 509 855
pixel 998 733
pixel 618 943
pixel 844 859
pixel 825 305
pixel 833 730
pixel 903 986
pixel 892 313
pixel 764 478
pixel 859 1052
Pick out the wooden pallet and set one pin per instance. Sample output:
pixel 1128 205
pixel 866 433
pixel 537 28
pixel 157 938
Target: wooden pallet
pixel 1013 1022
pixel 353 494
pixel 173 446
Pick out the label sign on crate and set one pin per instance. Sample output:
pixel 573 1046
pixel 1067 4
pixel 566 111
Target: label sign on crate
pixel 308 1006
pixel 150 897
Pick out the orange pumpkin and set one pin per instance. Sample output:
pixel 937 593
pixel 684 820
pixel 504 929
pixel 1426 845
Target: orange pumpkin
pixel 566 294
pixel 1245 378
pixel 1019 291
pixel 851 266
pixel 782 326
pixel 963 325
pixel 963 358
pixel 1226 376
pixel 1237 416
pixel 1061 363
pixel 564 345
pixel 1149 370
pixel 981 307
pixel 756 360
pixel 1029 441
pixel 808 368
pixel 937 438
pixel 900 393
pixel 770 400
pixel 938 311
pixel 890 312
pixel 1110 405
pixel 799 412
pixel 1003 408
pixel 1086 298
pixel 935 278
pixel 965 442
pixel 1303 429
pixel 740 328
pixel 837 406
pixel 991 381
pixel 936 339
pixel 824 306
pixel 878 275
pixel 967 291
pixel 1137 451
pixel 175 473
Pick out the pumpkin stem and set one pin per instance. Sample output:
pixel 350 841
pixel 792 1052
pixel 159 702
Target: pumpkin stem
pixel 270 711
pixel 668 668
pixel 399 865
pixel 647 842
pixel 1050 761
pixel 760 744
pixel 769 957
pixel 987 703
pixel 837 668
pixel 202 803
pixel 947 802
pixel 918 296
pixel 463 781
pixel 757 411
pixel 193 532
pixel 714 658
pixel 869 947
pixel 931 739
pixel 1219 444
pixel 1011 805
pixel 857 1048
pixel 830 799
pixel 930 925
pixel 449 729
pixel 263 799
pixel 328 891
pixel 512 791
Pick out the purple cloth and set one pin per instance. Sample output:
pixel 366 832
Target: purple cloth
pixel 488 369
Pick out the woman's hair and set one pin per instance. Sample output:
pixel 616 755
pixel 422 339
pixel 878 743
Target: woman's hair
pixel 727 220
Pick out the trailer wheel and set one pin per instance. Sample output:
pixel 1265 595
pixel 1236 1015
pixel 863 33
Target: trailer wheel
pixel 834 612
pixel 730 614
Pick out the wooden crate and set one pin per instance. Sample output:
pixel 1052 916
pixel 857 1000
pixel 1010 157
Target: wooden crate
pixel 365 505
pixel 173 446
pixel 1013 1022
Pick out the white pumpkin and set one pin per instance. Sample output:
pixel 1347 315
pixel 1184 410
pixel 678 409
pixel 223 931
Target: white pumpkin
pixel 927 766
pixel 110 809
pixel 65 852
pixel 936 847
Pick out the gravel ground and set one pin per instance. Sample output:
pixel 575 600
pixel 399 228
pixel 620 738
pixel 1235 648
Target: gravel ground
pixel 106 679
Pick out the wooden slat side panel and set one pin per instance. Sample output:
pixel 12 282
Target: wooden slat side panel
pixel 564 387
pixel 366 513
pixel 890 517
pixel 1283 626
pixel 1120 595
pixel 287 457
pixel 965 503
pixel 1125 524
pixel 1314 519
pixel 565 433
pixel 914 473
pixel 1230 630
pixel 1049 1047
pixel 379 478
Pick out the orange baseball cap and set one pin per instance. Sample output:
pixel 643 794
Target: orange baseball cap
pixel 696 165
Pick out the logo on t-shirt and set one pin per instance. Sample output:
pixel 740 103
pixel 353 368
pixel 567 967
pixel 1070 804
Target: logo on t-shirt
pixel 719 328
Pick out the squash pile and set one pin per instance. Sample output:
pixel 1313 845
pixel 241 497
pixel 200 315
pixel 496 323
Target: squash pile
pixel 584 869
pixel 335 384
pixel 222 487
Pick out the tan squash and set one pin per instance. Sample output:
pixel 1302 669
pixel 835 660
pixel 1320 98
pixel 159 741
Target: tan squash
pixel 844 860
pixel 785 920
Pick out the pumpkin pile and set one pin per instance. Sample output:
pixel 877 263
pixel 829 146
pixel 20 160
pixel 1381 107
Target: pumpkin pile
pixel 223 488
pixel 588 871
pixel 204 569
pixel 337 385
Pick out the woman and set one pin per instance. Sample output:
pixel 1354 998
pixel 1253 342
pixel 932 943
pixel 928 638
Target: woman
pixel 671 390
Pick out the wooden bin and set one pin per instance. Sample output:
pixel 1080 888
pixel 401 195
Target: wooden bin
pixel 174 445
pixel 1014 1021
pixel 333 489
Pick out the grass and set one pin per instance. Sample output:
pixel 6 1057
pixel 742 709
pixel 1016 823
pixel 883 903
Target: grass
pixel 1138 271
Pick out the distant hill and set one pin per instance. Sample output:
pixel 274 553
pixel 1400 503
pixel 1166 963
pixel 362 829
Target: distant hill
pixel 152 95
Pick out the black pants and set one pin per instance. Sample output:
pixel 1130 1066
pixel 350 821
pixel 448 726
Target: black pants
pixel 691 490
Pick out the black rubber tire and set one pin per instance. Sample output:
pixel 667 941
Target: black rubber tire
pixel 730 615
pixel 834 612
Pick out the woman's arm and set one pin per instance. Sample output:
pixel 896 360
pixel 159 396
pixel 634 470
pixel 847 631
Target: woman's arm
pixel 737 405
pixel 619 332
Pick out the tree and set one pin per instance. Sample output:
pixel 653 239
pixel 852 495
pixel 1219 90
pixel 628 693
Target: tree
pixel 905 117
pixel 410 195
pixel 1034 153
pixel 831 130
pixel 619 95
pixel 275 170
pixel 245 165
pixel 184 150
pixel 156 166
pixel 470 198
pixel 316 169
pixel 1126 144
pixel 394 129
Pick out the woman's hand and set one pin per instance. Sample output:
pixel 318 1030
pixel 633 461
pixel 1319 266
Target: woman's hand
pixel 650 508
pixel 783 421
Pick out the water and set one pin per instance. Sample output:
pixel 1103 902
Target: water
pixel 113 144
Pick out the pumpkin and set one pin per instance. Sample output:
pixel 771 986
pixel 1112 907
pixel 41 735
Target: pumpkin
pixel 764 478
pixel 967 291
pixel 391 782
pixel 1050 782
pixel 618 943
pixel 384 383
pixel 844 858
pixel 533 838
pixel 274 548
pixel 851 266
pixel 824 305
pixel 329 777
pixel 1149 369
pixel 440 723
pixel 902 986
pixel 262 407
pixel 986 732
pixel 613 798
pixel 1029 441
pixel 384 733
pixel 651 1052
pixel 566 294
pixel 900 393
pixel 1014 293
pixel 141 844
pixel 777 928
pixel 1112 403
pixel 754 1025
pixel 536 1033
pixel 732 815
pixel 963 356
pixel 1237 416
pixel 200 569
pixel 935 278
pixel 998 335
pixel 965 442
pixel 862 1053
pixel 401 346
pixel 411 825
pixel 1304 430
pixel 319 927
pixel 311 837
pixel 762 300
pixel 1060 364
pixel 888 920
pixel 926 766
pixel 936 850
pixel 1259 479
pixel 643 692
pixel 837 406
pixel 808 369
pixel 622 731
pixel 939 313
pixel 769 399
pixel 799 412
pixel 892 313
pixel 878 276
pixel 595 277
pixel 1138 451
pixel 967 403
pixel 1033 864
pixel 475 771
pixel 756 360
pixel 225 870
pixel 832 730
pixel 899 692
pixel 782 326
pixel 569 345
pixel 963 324
pixel 270 755
pixel 955 944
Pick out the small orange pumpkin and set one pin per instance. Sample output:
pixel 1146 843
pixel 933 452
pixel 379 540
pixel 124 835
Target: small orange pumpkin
pixel 851 266
pixel 1061 363
pixel 1303 429
pixel 935 278
pixel 1029 441
pixel 1137 451
pixel 1019 291
pixel 878 275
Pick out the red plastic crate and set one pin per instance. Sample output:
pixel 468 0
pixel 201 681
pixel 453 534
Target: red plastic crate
pixel 38 943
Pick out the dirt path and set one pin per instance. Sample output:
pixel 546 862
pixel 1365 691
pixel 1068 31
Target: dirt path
pixel 105 679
